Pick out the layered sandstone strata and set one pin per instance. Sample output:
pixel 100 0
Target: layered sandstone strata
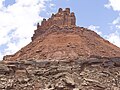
pixel 59 38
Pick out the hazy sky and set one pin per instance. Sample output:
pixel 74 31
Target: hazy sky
pixel 18 19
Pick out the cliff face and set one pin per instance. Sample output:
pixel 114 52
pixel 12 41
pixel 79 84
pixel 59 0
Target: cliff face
pixel 59 38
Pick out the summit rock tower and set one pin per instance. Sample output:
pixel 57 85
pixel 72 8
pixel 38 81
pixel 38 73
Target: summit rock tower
pixel 63 18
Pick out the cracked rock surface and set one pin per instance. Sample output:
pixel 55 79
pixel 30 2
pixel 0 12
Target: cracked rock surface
pixel 87 74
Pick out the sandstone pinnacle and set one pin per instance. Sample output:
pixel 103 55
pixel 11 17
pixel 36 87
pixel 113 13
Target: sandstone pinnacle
pixel 59 38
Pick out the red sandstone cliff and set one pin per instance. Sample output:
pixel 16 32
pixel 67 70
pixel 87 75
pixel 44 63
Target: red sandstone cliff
pixel 59 38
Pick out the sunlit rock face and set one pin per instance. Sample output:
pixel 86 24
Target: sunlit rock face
pixel 59 38
pixel 63 18
pixel 62 56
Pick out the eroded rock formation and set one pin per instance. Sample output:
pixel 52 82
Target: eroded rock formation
pixel 62 56
pixel 59 38
pixel 63 18
pixel 66 43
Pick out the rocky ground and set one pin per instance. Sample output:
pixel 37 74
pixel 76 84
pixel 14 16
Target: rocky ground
pixel 88 74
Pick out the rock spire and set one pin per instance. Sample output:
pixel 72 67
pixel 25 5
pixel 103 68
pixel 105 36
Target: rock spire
pixel 61 18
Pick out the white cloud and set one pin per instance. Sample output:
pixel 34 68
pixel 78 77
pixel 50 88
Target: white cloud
pixel 52 5
pixel 1 56
pixel 114 4
pixel 17 23
pixel 95 28
pixel 118 26
pixel 116 21
pixel 1 3
pixel 114 38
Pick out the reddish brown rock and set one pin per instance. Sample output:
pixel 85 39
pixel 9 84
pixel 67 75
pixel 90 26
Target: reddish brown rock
pixel 59 38
pixel 62 18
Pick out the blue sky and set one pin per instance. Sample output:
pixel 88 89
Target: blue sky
pixel 19 17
